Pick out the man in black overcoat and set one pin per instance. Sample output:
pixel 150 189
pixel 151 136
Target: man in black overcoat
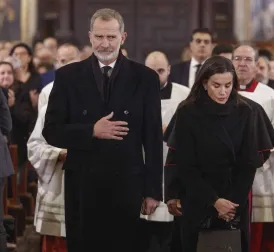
pixel 106 111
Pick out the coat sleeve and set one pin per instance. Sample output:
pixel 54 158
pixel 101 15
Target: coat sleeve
pixel 5 117
pixel 196 188
pixel 152 136
pixel 58 130
pixel 41 155
pixel 248 161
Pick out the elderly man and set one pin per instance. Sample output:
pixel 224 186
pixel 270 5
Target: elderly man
pixel 105 110
pixel 65 53
pixel 263 71
pixel 156 229
pixel 244 59
pixel 48 160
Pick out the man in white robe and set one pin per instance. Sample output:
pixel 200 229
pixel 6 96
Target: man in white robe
pixel 262 227
pixel 156 228
pixel 49 219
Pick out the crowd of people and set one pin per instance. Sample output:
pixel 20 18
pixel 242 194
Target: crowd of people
pixel 140 156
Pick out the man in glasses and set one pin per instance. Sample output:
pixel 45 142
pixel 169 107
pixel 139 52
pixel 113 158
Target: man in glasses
pixel 245 60
pixel 201 48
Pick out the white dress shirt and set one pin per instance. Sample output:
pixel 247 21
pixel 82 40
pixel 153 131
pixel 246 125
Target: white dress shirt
pixel 192 71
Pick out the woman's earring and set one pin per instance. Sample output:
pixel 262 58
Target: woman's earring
pixel 205 89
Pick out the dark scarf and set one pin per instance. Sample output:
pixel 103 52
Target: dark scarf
pixel 211 107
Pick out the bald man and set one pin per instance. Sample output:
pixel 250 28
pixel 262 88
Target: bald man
pixel 49 217
pixel 156 228
pixel 245 62
pixel 66 52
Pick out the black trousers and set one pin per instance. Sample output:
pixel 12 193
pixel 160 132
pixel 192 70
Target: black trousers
pixel 155 236
pixel 3 235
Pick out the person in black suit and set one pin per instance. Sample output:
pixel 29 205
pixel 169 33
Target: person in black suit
pixel 216 147
pixel 6 168
pixel 106 111
pixel 201 48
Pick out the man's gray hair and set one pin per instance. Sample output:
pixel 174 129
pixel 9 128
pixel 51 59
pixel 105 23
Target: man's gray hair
pixel 107 15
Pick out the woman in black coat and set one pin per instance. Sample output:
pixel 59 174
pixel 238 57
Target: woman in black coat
pixel 215 149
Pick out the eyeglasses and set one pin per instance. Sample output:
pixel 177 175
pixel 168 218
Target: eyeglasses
pixel 245 59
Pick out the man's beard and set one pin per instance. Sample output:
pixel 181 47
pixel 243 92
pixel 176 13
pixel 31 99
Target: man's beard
pixel 107 57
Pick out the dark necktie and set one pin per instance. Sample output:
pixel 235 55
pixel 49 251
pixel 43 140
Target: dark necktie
pixel 198 66
pixel 106 87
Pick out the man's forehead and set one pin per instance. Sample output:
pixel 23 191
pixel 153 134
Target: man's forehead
pixel 244 51
pixel 200 35
pixel 157 62
pixel 101 25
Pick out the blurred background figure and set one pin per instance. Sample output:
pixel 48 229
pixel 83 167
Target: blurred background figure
pixel 86 52
pixel 223 50
pixel 263 71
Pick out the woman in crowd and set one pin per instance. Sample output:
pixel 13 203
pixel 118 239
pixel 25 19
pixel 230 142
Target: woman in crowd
pixel 25 111
pixel 216 153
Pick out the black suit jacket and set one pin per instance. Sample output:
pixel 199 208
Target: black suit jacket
pixel 6 167
pixel 116 167
pixel 179 73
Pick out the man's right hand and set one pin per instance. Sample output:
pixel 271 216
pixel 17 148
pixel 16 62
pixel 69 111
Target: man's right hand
pixel 106 129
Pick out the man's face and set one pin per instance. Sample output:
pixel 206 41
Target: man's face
pixel 51 44
pixel 244 63
pixel 161 67
pixel 66 55
pixel 262 74
pixel 201 46
pixel 106 39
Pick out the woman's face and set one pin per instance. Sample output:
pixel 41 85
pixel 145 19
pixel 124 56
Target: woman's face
pixel 219 87
pixel 6 76
pixel 22 54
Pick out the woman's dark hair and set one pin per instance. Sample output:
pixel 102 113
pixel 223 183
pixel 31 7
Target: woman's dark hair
pixel 31 67
pixel 213 65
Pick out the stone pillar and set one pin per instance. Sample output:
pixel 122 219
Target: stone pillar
pixel 64 31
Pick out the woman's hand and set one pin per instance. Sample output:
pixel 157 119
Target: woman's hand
pixel 225 207
pixel 174 207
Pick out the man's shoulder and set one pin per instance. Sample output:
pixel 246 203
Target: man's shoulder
pixel 141 70
pixel 266 89
pixel 180 88
pixel 47 89
pixel 180 65
pixel 72 68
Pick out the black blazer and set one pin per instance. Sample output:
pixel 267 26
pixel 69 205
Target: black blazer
pixel 6 167
pixel 179 73
pixel 75 105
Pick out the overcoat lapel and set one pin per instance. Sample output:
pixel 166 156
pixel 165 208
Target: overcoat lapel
pixel 88 87
pixel 124 84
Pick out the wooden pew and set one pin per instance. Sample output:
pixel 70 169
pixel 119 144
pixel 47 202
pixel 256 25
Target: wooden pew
pixel 8 219
pixel 25 197
pixel 14 206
